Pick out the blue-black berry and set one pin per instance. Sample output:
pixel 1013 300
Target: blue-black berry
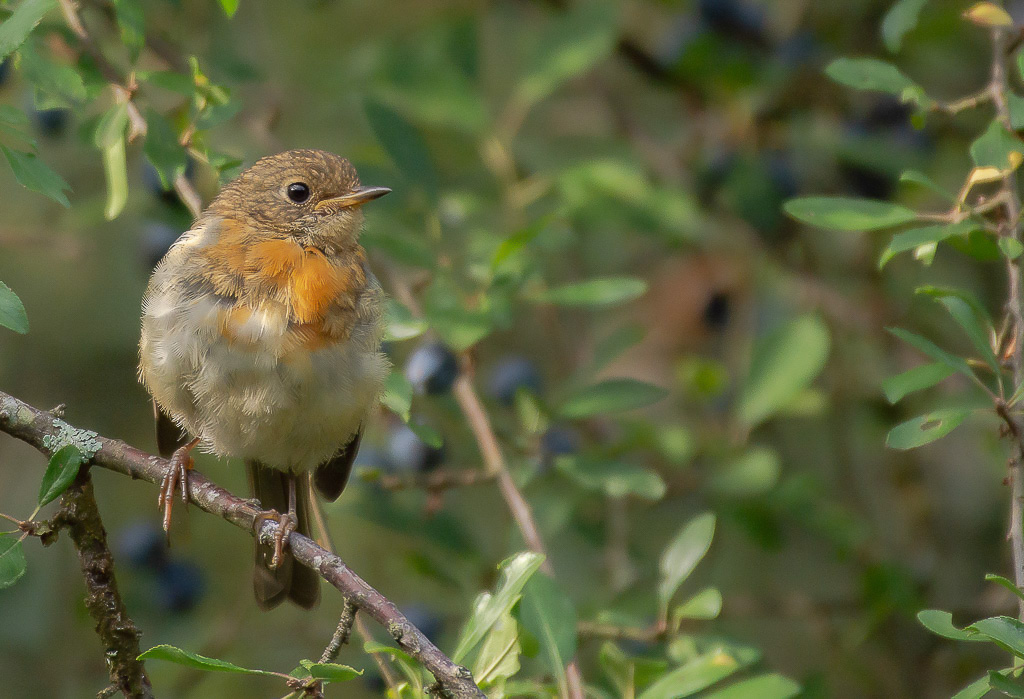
pixel 407 452
pixel 180 586
pixel 511 374
pixel 432 368
pixel 142 544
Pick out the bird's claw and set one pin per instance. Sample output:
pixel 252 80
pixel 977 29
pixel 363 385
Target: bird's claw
pixel 286 524
pixel 177 473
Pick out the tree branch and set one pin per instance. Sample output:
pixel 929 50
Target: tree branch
pixel 81 517
pixel 41 430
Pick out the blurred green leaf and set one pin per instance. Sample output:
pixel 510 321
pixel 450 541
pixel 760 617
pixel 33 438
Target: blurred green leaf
pixel 131 21
pixel 968 312
pixel 460 328
pixel 498 658
pixel 517 241
pixel 1008 584
pixel 32 173
pixel 404 145
pixel 14 122
pixel 611 396
pixel 846 214
pixel 162 149
pixel 59 474
pixel 784 363
pixel 1011 247
pixel 1006 632
pixel 400 323
pixel 698 674
pixel 706 604
pixel 915 237
pixel 683 554
pixel 1009 686
pixel 901 18
pixel 12 560
pixel 934 351
pixel 596 292
pixel 49 76
pixel 401 246
pixel 754 472
pixel 614 478
pixel 869 74
pixel 515 571
pixel 994 147
pixel 115 167
pixel 547 613
pixel 169 80
pixel 200 662
pixel 16 28
pixel 612 346
pixel 427 434
pixel 925 428
pixel 230 7
pixel 975 690
pixel 397 395
pixel 569 46
pixel 920 377
pixel 12 312
pixel 330 672
pixel 767 686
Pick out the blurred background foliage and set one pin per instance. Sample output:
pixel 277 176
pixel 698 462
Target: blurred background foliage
pixel 646 144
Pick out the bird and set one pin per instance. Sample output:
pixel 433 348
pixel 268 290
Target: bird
pixel 261 341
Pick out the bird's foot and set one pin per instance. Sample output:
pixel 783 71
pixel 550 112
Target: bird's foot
pixel 286 524
pixel 177 472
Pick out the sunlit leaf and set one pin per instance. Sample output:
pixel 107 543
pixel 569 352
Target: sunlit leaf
pixel 869 74
pixel 754 472
pixel 596 292
pixel 915 237
pixel 784 363
pixel 995 147
pixel 60 472
pixel 614 478
pixel 916 379
pixel 12 312
pixel 12 560
pixel 230 7
pixel 330 672
pixel 611 396
pixel 899 20
pixel 16 28
pixel 988 14
pixel 706 604
pixel 925 428
pixel 767 686
pixel 683 554
pixel 1011 247
pixel 1007 632
pixel 200 662
pixel 547 614
pixel 846 214
pixel 32 173
pixel 498 658
pixel 698 674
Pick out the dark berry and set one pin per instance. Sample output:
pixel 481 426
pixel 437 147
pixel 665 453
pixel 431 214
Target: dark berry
pixel 432 368
pixel 180 586
pixel 429 623
pixel 151 181
pixel 559 441
pixel 735 19
pixel 407 452
pixel 512 374
pixel 716 311
pixel 154 242
pixel 52 123
pixel 142 544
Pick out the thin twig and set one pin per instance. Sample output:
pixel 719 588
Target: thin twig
pixel 341 634
pixel 434 482
pixel 80 515
pixel 33 426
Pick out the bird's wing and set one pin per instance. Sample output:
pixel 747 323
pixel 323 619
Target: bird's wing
pixel 330 477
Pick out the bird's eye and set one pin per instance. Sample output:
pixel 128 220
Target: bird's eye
pixel 298 192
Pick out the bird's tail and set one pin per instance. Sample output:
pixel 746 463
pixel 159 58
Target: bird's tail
pixel 290 579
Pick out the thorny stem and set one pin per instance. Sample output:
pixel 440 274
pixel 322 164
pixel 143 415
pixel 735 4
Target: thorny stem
pixel 33 426
pixel 1011 228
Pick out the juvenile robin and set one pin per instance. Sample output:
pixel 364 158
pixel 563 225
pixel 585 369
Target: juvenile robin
pixel 261 331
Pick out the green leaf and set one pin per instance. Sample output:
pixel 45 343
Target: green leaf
pixel 916 237
pixel 488 608
pixel 993 148
pixel 611 396
pixel 169 80
pixel 569 46
pixel 848 214
pixel 901 18
pixel 12 312
pixel 427 434
pixel 1006 632
pixel 50 77
pixel 683 554
pixel 498 658
pixel 614 478
pixel 12 560
pixel 330 672
pixel 230 7
pixel 596 292
pixel 403 142
pixel 162 149
pixel 397 395
pixel 869 74
pixel 968 312
pixel 515 243
pixel 547 614
pixel 32 173
pixel 1007 685
pixel 975 690
pixel 941 624
pixel 1008 584
pixel 706 604
pixel 752 473
pixel 194 660
pixel 16 28
pixel 701 672
pixel 785 362
pixel 131 21
pixel 934 351
pixel 919 178
pixel 767 686
pixel 916 379
pixel 60 472
pixel 115 168
pixel 400 323
pixel 612 347
pixel 1011 247
pixel 925 428
pixel 460 328
pixel 1015 103
pixel 15 123
pixel 406 663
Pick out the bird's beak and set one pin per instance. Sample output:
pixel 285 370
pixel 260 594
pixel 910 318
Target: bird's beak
pixel 357 197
